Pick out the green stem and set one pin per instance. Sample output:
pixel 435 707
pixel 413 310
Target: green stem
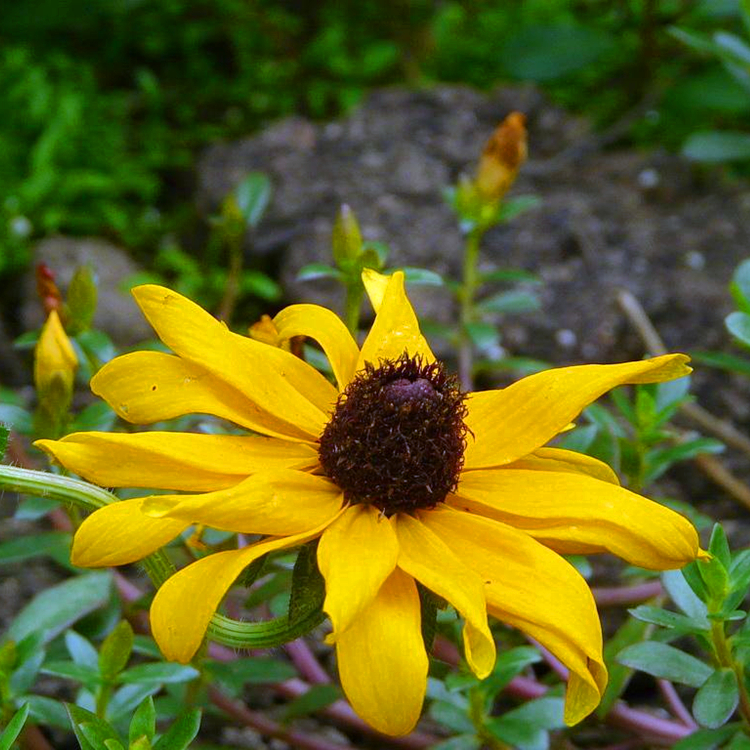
pixel 727 661
pixel 268 634
pixel 353 304
pixel 467 294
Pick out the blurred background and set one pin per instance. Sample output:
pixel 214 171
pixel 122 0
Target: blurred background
pixel 108 105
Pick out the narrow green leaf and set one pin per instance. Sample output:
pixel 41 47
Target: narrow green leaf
pixel 509 275
pixel 115 650
pixel 161 673
pixel 48 711
pixel 143 723
pixel 422 277
pixel 738 324
pixel 665 662
pixel 81 650
pixel 740 741
pixel 89 729
pixel 34 545
pixel 682 594
pixel 127 698
pixel 58 607
pixel 260 285
pixel 460 742
pixel 740 286
pixel 513 207
pixel 508 665
pixel 181 733
pixel 717 699
pixel 72 671
pixel 718 546
pixel 723 361
pixel 451 716
pixel 484 336
pixel 253 195
pixel 313 271
pixel 672 620
pixel 630 632
pixel 513 301
pixel 14 727
pixel 717 147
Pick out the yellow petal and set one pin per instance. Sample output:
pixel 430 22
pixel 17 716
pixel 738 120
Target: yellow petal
pixel 375 286
pixel 564 510
pixel 54 356
pixel 558 459
pixel 147 387
pixel 327 329
pixel 534 589
pixel 356 554
pixel 509 424
pixel 174 460
pixel 424 556
pixel 277 381
pixel 396 328
pixel 270 502
pixel 119 534
pixel 382 660
pixel 186 602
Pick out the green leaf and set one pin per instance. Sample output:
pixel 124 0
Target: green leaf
pixel 143 723
pixel 81 650
pixel 717 699
pixel 32 508
pixel 451 716
pixel 127 698
pixel 513 301
pixel 313 271
pixel 718 546
pixel 509 275
pixel 740 286
pixel 35 545
pixel 422 277
pixel 658 460
pixel 697 42
pixel 513 207
pixel 87 676
pixel 740 741
pixel 316 698
pixel 738 324
pixel 717 146
pixel 260 285
pixel 706 739
pixel 58 607
pixel 631 631
pixel 181 733
pixel 682 594
pixel 676 621
pixel 543 53
pixel 251 671
pixel 484 336
pixel 4 435
pixel 253 195
pixel 115 651
pixel 723 361
pixel 14 727
pixel 161 673
pixel 48 711
pixel 89 729
pixel 508 665
pixel 665 662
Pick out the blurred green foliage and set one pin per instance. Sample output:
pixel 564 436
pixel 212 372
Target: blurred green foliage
pixel 105 104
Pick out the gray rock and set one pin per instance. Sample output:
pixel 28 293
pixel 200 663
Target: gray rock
pixel 116 313
pixel 607 220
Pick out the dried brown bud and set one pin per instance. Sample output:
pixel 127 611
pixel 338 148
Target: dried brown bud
pixel 503 155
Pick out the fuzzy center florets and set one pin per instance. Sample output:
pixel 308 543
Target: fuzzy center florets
pixel 397 436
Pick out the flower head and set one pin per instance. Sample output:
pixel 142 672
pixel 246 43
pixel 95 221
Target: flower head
pixel 402 477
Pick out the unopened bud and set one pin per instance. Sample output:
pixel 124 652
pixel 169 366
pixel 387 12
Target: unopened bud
pixel 82 294
pixel 347 239
pixel 266 332
pixel 47 289
pixel 232 220
pixel 503 155
pixel 55 364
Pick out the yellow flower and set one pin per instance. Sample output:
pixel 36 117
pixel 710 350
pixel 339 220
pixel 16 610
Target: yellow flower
pixel 55 360
pixel 403 478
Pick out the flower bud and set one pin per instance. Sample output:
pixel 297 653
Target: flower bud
pixel 82 295
pixel 55 366
pixel 347 239
pixel 47 289
pixel 502 157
